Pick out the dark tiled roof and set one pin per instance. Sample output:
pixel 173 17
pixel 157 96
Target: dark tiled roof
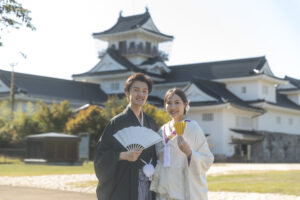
pixel 130 23
pixel 284 101
pixel 222 94
pixel 42 86
pixel 121 60
pixel 248 132
pixel 295 82
pixel 154 99
pixel 215 70
pixel 151 61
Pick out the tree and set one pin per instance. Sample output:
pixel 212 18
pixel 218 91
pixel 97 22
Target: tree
pixel 53 118
pixel 89 120
pixel 159 115
pixel 12 14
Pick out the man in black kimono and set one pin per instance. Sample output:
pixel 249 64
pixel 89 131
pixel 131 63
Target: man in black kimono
pixel 120 171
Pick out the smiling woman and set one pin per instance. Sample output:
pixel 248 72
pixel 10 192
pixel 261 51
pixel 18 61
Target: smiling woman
pixel 183 158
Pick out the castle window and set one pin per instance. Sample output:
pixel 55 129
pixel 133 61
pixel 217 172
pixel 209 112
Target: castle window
pixel 278 120
pixel 290 121
pixel 265 89
pixel 131 47
pixel 122 46
pixel 207 117
pixel 148 47
pixel 244 89
pixel 114 86
pixel 154 51
pixel 140 47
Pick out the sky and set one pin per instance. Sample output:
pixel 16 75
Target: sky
pixel 203 30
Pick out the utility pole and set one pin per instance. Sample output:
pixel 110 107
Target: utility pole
pixel 12 91
pixel 12 87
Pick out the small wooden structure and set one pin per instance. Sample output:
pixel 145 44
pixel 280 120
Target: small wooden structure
pixel 52 148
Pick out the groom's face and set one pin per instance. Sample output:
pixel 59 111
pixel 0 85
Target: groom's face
pixel 138 93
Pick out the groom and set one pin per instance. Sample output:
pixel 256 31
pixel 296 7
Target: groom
pixel 119 171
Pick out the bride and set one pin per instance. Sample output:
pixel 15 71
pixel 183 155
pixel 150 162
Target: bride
pixel 183 161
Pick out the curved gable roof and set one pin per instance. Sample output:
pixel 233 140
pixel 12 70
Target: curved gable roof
pixel 130 23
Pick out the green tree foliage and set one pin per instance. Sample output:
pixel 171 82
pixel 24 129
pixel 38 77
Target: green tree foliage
pixel 114 106
pixel 52 118
pixel 12 14
pixel 89 120
pixel 94 119
pixel 40 118
pixel 159 115
pixel 6 136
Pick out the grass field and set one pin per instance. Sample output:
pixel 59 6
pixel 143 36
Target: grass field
pixel 15 167
pixel 281 182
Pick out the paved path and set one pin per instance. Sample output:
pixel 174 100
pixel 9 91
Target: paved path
pixel 26 193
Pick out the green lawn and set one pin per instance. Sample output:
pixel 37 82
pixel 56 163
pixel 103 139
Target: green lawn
pixel 15 167
pixel 282 182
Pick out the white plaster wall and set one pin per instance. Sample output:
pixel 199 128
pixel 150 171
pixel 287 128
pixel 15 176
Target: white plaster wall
pixel 229 122
pixel 106 85
pixel 194 94
pixel 252 89
pixel 295 98
pixel 107 64
pixel 271 96
pixel 214 128
pixel 268 122
pixel 136 60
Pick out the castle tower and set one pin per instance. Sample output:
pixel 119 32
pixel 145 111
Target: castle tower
pixel 136 38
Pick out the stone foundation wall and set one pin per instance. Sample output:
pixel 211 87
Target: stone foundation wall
pixel 277 147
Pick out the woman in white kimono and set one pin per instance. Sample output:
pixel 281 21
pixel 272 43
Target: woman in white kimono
pixel 183 161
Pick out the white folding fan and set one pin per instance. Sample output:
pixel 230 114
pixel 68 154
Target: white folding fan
pixel 137 137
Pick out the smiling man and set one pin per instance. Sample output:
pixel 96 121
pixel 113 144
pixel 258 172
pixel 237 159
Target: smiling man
pixel 119 171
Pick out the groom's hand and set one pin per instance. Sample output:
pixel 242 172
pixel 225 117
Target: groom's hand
pixel 130 156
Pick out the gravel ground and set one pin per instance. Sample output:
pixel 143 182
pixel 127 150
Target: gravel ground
pixel 64 182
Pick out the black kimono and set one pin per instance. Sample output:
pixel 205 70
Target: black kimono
pixel 118 180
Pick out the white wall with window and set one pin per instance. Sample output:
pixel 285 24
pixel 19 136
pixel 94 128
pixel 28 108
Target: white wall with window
pixel 244 90
pixel 280 121
pixel 253 90
pixel 267 91
pixel 213 127
pixel 113 86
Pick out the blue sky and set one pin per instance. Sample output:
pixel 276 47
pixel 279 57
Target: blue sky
pixel 203 30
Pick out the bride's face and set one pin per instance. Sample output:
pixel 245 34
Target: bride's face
pixel 175 107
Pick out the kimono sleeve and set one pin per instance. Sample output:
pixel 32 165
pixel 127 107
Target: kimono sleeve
pixel 201 158
pixel 106 159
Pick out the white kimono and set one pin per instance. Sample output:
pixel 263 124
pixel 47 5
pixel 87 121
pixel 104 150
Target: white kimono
pixel 175 177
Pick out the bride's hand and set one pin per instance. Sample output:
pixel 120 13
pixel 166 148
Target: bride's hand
pixel 184 146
